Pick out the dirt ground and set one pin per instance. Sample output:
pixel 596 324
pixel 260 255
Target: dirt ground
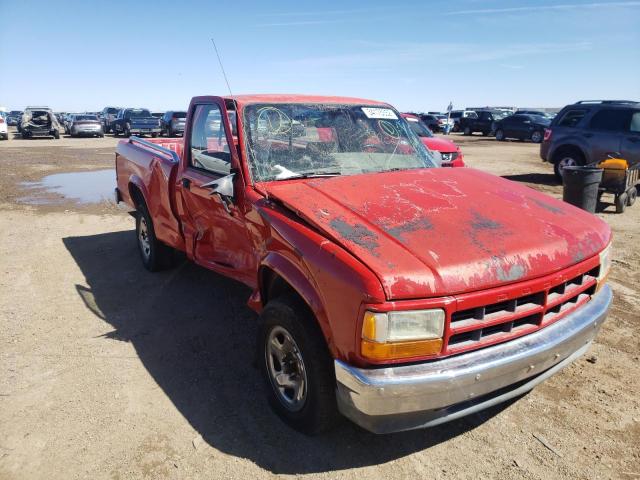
pixel 108 371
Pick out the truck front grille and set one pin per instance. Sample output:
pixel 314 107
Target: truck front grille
pixel 492 323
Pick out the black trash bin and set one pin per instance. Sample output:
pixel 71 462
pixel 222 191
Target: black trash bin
pixel 581 186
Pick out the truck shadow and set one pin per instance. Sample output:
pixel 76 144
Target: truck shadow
pixel 547 179
pixel 195 335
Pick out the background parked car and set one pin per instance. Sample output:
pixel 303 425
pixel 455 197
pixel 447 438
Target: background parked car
pixel 136 121
pixel 431 121
pixel 522 127
pixel 13 118
pixel 108 115
pixel 450 152
pixel 83 124
pixel 484 122
pixel 456 115
pixel 4 130
pixel 66 122
pixel 532 112
pixel 39 122
pixel 588 131
pixel 157 114
pixel 173 123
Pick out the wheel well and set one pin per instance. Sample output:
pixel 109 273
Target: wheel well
pixel 567 150
pixel 136 195
pixel 273 285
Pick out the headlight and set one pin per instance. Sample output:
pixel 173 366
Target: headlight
pixel 605 265
pixel 402 334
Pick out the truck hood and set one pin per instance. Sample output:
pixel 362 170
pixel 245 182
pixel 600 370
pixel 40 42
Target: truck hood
pixel 439 144
pixel 435 232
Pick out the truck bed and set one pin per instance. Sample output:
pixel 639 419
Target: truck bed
pixel 150 167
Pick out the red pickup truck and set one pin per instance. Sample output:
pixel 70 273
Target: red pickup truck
pixel 399 294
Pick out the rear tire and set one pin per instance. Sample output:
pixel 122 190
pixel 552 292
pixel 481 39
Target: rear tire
pixel 621 202
pixel 155 255
pixel 292 351
pixel 500 135
pixel 565 158
pixel 467 131
pixel 632 195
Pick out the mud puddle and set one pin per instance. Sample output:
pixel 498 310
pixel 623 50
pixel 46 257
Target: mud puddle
pixel 84 188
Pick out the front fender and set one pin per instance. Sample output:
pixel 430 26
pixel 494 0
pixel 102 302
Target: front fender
pixel 330 280
pixel 302 282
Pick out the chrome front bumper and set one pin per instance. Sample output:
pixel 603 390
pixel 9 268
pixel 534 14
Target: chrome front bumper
pixel 392 399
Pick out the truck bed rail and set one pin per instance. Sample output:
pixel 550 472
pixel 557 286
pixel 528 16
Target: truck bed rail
pixel 167 153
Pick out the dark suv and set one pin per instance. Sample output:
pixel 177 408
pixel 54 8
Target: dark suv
pixel 588 131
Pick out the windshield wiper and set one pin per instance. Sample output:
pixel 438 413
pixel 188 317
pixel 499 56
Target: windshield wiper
pixel 313 175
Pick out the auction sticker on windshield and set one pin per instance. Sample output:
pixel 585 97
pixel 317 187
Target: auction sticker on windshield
pixel 381 113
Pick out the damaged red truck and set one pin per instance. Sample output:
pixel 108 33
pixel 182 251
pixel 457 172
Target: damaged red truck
pixel 399 294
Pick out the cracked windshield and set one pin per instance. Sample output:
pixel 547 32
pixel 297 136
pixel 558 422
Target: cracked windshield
pixel 298 141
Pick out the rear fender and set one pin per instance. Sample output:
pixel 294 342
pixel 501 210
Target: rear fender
pixel 135 182
pixel 572 141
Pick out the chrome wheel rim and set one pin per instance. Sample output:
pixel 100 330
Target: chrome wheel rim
pixel 566 162
pixel 536 137
pixel 499 135
pixel 143 238
pixel 285 368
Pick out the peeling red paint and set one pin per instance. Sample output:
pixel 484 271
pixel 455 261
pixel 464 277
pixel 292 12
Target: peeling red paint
pixel 442 237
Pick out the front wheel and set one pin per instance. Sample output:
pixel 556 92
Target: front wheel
pixel 500 135
pixel 467 131
pixel 297 367
pixel 127 131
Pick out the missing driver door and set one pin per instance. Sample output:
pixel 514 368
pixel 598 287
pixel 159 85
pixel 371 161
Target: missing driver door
pixel 215 225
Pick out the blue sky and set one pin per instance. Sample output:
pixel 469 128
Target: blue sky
pixel 418 55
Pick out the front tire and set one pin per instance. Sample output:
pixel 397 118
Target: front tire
pixel 296 366
pixel 155 255
pixel 500 135
pixel 467 131
pixel 536 137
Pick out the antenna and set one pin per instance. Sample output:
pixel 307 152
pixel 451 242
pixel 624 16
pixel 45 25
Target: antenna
pixel 221 67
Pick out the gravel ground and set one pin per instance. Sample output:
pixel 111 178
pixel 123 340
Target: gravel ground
pixel 107 371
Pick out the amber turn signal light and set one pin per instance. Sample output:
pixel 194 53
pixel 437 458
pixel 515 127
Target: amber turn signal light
pixel 400 350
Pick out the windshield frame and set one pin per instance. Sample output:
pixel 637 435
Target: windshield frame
pixel 416 143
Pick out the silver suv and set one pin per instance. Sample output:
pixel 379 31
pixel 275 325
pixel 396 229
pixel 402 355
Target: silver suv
pixel 588 131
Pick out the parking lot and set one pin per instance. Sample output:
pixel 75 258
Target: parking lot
pixel 106 375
